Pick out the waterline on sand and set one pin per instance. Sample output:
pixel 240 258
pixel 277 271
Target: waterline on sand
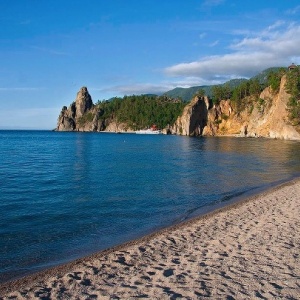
pixel 247 249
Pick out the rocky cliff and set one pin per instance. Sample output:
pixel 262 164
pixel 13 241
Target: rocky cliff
pixel 82 115
pixel 267 117
pixel 194 118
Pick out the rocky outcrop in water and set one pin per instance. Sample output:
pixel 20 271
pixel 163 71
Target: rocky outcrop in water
pixel 76 117
pixel 83 115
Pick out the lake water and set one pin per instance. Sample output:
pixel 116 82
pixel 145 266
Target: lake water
pixel 65 195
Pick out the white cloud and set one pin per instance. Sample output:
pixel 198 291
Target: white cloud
pixel 294 10
pixel 136 89
pixel 189 81
pixel 248 56
pixel 277 43
pixel 215 43
pixel 277 24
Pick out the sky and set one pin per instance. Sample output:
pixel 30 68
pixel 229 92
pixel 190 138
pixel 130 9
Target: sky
pixel 49 49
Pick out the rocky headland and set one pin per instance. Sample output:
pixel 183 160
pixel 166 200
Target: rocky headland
pixel 267 117
pixel 84 115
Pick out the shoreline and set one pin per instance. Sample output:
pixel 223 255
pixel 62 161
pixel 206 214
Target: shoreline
pixel 122 257
pixel 199 213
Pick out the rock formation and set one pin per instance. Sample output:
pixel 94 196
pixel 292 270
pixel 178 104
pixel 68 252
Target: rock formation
pixel 271 118
pixel 66 119
pixel 194 118
pixel 72 118
pixel 265 117
pixel 218 113
pixel 268 117
pixel 83 102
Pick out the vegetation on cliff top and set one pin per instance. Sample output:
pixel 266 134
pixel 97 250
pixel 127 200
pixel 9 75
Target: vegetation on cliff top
pixel 293 88
pixel 246 94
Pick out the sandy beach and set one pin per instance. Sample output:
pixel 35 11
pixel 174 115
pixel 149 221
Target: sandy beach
pixel 248 250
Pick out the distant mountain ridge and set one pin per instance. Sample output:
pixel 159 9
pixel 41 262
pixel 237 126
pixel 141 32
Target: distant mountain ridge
pixel 263 75
pixel 186 94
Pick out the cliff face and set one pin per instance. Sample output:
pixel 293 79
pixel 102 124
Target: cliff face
pixel 66 119
pixel 216 117
pixel 83 102
pixel 194 118
pixel 268 117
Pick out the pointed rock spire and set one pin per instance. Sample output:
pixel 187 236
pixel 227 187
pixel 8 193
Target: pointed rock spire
pixel 83 102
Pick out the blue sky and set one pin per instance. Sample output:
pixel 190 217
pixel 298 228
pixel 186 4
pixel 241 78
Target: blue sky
pixel 50 48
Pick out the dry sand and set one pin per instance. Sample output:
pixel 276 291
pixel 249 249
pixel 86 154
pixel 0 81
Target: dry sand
pixel 249 250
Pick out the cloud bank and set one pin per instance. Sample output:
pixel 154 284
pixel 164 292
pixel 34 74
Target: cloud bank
pixel 247 57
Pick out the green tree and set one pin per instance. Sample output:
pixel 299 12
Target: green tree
pixel 293 88
pixel 254 88
pixel 200 93
pixel 221 92
pixel 217 93
pixel 274 79
pixel 142 111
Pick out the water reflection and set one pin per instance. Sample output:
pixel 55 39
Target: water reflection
pixel 81 158
pixel 234 164
pixel 81 170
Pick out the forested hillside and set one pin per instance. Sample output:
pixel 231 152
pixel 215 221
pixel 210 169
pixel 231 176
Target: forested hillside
pixel 141 111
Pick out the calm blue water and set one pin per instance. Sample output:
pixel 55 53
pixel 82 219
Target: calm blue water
pixel 66 195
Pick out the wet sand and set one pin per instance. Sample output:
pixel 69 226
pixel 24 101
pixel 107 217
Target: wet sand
pixel 248 250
